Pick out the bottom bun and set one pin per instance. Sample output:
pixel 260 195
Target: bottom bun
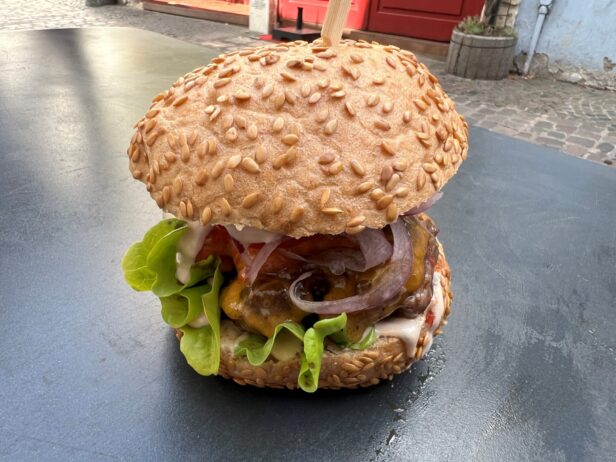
pixel 340 367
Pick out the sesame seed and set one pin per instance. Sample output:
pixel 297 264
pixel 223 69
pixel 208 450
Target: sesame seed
pixel 319 66
pixel 221 82
pixel 429 168
pixel 260 155
pixel 201 177
pixel 386 173
pixel 388 147
pixel 421 105
pixel 278 99
pixel 234 161
pixel 379 80
pixel 290 139
pixel 356 221
pixel 177 185
pixel 215 114
pixel 391 62
pixel 178 102
pixel 363 187
pixel 250 200
pixel 288 76
pixel 192 138
pixel 382 124
pixel 400 165
pixel 228 182
pixel 250 165
pixel 212 146
pixel 330 127
pixel 226 207
pixel 185 153
pixel 170 157
pixel 377 194
pixel 355 229
pixel 150 125
pixel 183 208
pixel 217 169
pixel 384 201
pixel 276 205
pixel 326 54
pixel 335 168
pixel 421 180
pixel 166 194
pixel 356 58
pixel 393 181
pixel 305 90
pixel 231 134
pixel 339 94
pixel 388 106
pixel 278 125
pixel 322 115
pixel 227 121
pixel 240 121
pixel 290 97
pixel 350 109
pixel 324 83
pixel 357 168
pixel 210 109
pixel 242 96
pixel 373 100
pixel 439 158
pixel 314 98
pixel 331 211
pixel 189 209
pixel 252 132
pixel 296 214
pixel 326 158
pixel 152 113
pixel 325 197
pixel 267 91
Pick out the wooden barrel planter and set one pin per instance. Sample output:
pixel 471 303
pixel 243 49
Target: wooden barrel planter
pixel 480 57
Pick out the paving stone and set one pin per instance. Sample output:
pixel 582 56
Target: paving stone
pixel 605 147
pixel 558 135
pixel 550 142
pixel 575 149
pixel 542 124
pixel 589 143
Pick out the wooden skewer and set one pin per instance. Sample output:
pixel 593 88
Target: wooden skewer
pixel 336 15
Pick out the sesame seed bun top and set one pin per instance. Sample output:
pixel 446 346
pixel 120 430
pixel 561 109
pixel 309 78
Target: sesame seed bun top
pixel 300 139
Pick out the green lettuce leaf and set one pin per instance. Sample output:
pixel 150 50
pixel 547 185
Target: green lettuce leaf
pixel 139 275
pixel 257 348
pixel 151 263
pixel 201 346
pixel 310 369
pixel 184 307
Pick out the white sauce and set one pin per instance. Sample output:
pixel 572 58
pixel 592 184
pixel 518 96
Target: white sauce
pixel 408 330
pixel 248 235
pixel 189 246
pixel 199 321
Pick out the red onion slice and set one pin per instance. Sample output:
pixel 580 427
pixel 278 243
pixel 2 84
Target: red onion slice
pixel 425 205
pixel 385 289
pixel 253 268
pixel 375 249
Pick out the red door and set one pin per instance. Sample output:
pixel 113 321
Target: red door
pixel 425 19
pixel 314 11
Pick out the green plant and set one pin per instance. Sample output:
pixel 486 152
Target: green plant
pixel 485 25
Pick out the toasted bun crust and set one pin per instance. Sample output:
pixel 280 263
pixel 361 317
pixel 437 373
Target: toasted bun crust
pixel 300 139
pixel 340 368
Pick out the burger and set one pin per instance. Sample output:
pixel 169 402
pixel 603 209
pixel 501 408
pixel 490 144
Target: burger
pixel 296 177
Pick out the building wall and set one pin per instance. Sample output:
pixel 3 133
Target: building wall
pixel 578 39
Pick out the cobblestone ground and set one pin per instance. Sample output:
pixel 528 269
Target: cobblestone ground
pixel 577 120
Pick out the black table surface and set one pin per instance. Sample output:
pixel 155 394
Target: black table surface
pixel 526 369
